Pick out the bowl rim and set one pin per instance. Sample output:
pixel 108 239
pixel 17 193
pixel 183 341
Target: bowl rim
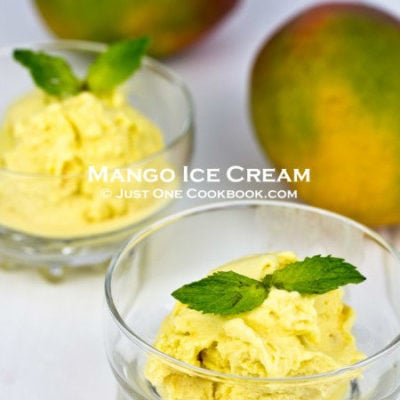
pixel 215 206
pixel 148 62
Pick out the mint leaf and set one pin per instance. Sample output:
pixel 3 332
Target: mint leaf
pixel 229 293
pixel 223 293
pixel 52 74
pixel 116 64
pixel 316 275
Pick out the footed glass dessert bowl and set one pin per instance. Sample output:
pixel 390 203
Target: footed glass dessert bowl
pixel 79 174
pixel 342 345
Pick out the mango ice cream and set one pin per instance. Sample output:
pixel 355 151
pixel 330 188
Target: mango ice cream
pixel 48 143
pixel 289 335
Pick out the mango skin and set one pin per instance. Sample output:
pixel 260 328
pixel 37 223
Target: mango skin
pixel 325 95
pixel 172 24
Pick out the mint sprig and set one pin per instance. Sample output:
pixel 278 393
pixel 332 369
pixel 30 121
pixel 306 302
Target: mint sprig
pixel 230 293
pixel 223 293
pixel 116 65
pixel 53 74
pixel 111 68
pixel 316 275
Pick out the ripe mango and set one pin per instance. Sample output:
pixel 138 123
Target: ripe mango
pixel 172 24
pixel 325 95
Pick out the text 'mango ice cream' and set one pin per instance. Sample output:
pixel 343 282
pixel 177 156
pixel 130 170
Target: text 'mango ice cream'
pixel 48 142
pixel 288 335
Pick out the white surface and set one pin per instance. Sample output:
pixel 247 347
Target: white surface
pixel 51 335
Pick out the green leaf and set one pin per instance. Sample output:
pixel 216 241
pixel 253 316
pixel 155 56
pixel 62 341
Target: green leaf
pixel 116 64
pixel 52 74
pixel 316 275
pixel 229 293
pixel 224 293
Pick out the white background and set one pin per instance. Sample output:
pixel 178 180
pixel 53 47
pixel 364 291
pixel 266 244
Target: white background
pixel 51 335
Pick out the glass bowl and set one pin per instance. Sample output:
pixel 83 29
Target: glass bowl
pixel 186 246
pixel 35 224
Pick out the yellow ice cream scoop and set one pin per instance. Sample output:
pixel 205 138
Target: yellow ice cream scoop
pixel 288 335
pixel 55 141
pixel 51 138
pixel 45 134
